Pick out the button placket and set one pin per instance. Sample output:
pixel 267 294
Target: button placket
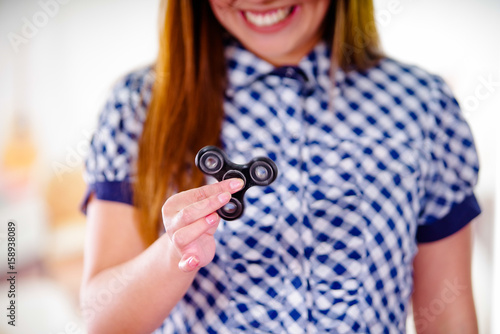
pixel 294 127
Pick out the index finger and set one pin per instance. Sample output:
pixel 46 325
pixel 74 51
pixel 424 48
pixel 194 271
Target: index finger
pixel 188 197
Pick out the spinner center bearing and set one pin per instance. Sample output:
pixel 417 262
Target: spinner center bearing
pixel 260 171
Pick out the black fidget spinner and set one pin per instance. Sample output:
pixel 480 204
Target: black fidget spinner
pixel 260 171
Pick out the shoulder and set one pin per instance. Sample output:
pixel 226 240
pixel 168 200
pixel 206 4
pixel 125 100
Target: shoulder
pixel 130 95
pixel 401 87
pixel 125 110
pixel 114 145
pixel 414 80
pixel 398 71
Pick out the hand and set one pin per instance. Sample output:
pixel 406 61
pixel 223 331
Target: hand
pixel 190 221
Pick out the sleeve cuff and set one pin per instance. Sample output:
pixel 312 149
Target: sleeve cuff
pixel 120 191
pixel 459 216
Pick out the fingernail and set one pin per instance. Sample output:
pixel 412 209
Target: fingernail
pixel 211 219
pixel 193 261
pixel 224 197
pixel 236 184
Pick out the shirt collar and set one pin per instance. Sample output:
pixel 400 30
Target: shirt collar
pixel 244 67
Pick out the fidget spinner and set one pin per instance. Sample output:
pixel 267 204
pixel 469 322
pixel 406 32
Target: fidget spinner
pixel 260 171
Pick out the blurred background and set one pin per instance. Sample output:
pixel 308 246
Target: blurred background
pixel 58 60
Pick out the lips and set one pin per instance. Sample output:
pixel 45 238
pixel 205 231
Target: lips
pixel 268 18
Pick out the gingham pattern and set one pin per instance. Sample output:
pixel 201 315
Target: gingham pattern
pixel 114 145
pixel 328 247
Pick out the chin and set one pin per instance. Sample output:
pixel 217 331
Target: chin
pixel 273 52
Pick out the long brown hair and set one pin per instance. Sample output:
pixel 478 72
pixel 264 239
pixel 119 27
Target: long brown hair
pixel 186 112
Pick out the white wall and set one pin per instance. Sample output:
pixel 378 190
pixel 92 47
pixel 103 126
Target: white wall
pixel 60 77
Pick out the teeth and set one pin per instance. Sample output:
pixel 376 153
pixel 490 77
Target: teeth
pixel 268 19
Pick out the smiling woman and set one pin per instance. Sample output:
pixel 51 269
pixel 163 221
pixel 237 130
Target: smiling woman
pixel 375 163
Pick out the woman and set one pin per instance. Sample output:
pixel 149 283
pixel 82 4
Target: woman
pixel 371 204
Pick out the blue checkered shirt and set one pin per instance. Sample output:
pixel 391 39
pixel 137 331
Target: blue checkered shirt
pixel 369 166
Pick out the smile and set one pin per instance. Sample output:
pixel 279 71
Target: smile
pixel 269 18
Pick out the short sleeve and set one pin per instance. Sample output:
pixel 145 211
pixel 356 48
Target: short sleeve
pixel 448 203
pixel 110 164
